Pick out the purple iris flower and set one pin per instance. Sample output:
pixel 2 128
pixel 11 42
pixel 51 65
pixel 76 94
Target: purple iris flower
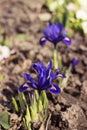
pixel 55 33
pixel 45 75
pixel 74 63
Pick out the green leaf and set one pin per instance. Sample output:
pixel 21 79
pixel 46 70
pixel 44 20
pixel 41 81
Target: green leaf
pixel 15 104
pixel 33 110
pixel 5 120
pixel 55 59
pixel 63 81
pixel 22 101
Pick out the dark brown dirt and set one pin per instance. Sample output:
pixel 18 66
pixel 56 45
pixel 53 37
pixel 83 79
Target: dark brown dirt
pixel 69 109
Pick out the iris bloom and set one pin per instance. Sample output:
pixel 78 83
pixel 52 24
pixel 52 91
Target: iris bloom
pixel 45 78
pixel 75 62
pixel 55 33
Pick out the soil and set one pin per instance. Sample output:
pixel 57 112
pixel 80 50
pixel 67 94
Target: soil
pixel 68 110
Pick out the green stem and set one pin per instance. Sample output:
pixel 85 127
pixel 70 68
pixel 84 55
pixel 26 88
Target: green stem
pixel 55 58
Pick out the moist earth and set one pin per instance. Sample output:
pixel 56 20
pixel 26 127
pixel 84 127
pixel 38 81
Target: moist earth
pixel 67 110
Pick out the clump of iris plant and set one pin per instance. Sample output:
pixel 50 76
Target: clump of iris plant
pixel 45 78
pixel 55 33
pixel 38 107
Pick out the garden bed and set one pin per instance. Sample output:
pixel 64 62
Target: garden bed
pixel 67 110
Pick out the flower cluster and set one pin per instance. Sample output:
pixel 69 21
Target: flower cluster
pixel 55 33
pixel 37 109
pixel 46 76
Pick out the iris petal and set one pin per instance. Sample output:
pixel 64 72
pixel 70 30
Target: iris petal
pixel 42 79
pixel 43 41
pixel 28 77
pixel 67 41
pixel 59 26
pixel 50 66
pixel 75 61
pixel 46 84
pixel 55 33
pixel 53 75
pixel 39 67
pixel 55 90
pixel 32 85
pixel 23 88
pixel 62 75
